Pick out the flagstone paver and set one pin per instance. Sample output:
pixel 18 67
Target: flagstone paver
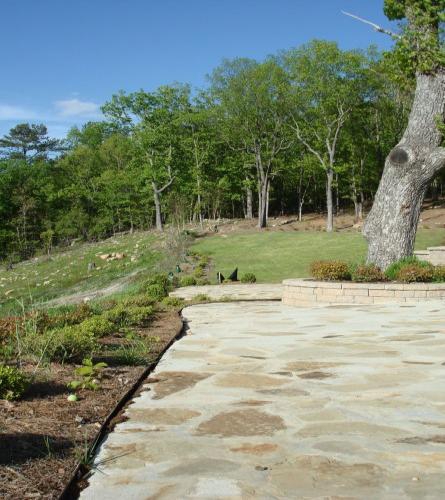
pixel 236 291
pixel 266 401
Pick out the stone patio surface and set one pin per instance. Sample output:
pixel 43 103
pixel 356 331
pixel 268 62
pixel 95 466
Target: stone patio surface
pixel 233 291
pixel 266 401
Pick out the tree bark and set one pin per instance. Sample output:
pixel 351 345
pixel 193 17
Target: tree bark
pixel 249 210
pixel 409 168
pixel 157 200
pixel 329 200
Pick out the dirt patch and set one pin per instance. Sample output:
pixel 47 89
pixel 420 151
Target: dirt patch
pixel 42 436
pixel 168 383
pixel 242 423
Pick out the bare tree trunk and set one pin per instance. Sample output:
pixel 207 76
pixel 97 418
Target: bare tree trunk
pixel 329 200
pixel 249 210
pixel 409 168
pixel 157 200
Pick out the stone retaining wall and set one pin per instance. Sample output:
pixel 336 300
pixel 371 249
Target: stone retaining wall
pixel 298 292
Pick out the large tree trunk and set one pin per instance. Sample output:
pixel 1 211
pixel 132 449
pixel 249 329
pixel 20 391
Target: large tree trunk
pixel 329 200
pixel 409 168
pixel 157 200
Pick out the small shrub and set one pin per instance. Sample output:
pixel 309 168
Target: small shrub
pixel 97 326
pixel 393 270
pixel 413 273
pixel 330 270
pixel 140 300
pixel 439 274
pixel 13 383
pixel 248 278
pixel 201 297
pixel 198 273
pixel 367 273
pixel 187 281
pixel 203 282
pixel 129 315
pixel 156 292
pixel 66 344
pixel 172 302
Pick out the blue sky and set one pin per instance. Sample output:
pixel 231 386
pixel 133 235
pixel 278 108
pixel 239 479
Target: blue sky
pixel 61 59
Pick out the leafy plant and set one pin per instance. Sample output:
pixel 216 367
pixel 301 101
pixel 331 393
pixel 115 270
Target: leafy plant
pixel 13 382
pixel 334 270
pixel 439 274
pixel 248 278
pixel 129 315
pixel 367 273
pixel 173 302
pixel 413 273
pixel 393 271
pixel 89 374
pixel 187 281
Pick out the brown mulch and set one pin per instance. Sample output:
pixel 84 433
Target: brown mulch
pixel 43 436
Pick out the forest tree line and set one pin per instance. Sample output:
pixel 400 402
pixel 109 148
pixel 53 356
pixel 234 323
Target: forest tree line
pixel 305 130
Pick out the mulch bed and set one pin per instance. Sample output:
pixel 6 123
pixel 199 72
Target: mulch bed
pixel 43 436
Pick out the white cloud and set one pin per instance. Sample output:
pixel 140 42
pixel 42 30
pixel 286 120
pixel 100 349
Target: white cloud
pixel 77 108
pixel 12 113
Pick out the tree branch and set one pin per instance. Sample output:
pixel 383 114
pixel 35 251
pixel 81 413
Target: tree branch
pixel 437 158
pixel 376 27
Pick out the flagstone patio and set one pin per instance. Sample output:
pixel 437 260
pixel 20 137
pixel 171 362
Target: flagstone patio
pixel 266 401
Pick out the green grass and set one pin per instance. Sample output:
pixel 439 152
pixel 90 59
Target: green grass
pixel 66 272
pixel 274 256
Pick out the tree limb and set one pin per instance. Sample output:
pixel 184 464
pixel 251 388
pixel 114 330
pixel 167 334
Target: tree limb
pixel 376 27
pixel 437 158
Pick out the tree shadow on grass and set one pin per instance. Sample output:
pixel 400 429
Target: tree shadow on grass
pixel 20 447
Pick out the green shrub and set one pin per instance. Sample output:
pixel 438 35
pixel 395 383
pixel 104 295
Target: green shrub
pixel 97 326
pixel 173 302
pixel 327 270
pixel 439 274
pixel 187 281
pixel 393 270
pixel 248 278
pixel 198 273
pixel 129 315
pixel 140 300
pixel 156 292
pixel 63 344
pixel 413 273
pixel 367 273
pixel 203 282
pixel 201 297
pixel 13 382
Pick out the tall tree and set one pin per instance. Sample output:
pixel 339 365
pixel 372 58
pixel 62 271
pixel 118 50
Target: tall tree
pixel 326 82
pixel 28 142
pixel 153 119
pixel 253 119
pixel 391 226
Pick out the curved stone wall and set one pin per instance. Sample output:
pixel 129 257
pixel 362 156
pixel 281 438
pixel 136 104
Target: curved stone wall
pixel 298 292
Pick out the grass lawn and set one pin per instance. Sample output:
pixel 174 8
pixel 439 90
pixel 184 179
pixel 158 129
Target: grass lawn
pixel 274 256
pixel 66 272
